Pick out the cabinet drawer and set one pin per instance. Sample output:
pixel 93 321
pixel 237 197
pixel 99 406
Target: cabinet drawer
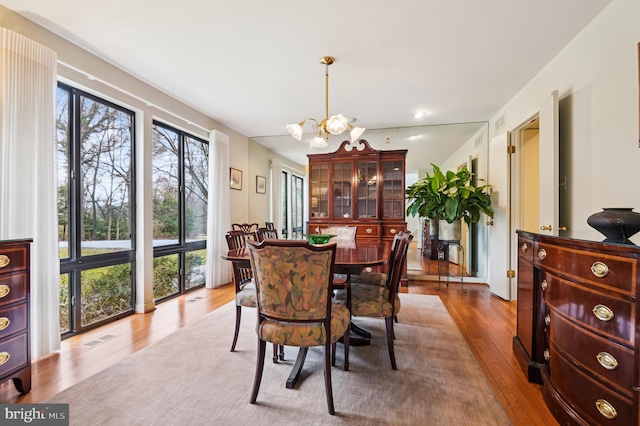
pixel 13 288
pixel 13 259
pixel 584 347
pixel 525 248
pixel 13 353
pixel 581 390
pixel 579 303
pixel 611 272
pixel 390 231
pixel 368 231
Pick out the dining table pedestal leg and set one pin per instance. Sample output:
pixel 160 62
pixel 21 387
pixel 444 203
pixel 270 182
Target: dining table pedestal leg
pixel 297 368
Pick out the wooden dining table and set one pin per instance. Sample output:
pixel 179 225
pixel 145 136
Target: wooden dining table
pixel 352 257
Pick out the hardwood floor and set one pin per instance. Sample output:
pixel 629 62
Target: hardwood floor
pixel 487 323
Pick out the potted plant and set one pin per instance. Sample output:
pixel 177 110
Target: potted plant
pixel 448 197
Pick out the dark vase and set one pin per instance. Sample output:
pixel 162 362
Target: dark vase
pixel 617 224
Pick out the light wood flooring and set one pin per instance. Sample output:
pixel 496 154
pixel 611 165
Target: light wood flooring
pixel 487 323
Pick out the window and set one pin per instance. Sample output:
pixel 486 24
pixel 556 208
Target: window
pixel 297 208
pixel 95 142
pixel 180 191
pixel 284 188
pixel 292 204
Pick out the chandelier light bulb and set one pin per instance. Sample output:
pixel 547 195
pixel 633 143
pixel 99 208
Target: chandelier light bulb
pixel 356 132
pixel 295 130
pixel 337 124
pixel 318 142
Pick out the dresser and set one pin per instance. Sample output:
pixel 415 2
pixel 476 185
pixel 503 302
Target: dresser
pixel 15 345
pixel 578 327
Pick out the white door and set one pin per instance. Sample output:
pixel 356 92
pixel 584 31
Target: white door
pixel 549 166
pixel 500 231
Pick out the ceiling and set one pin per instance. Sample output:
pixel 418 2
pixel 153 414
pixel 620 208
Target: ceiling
pixel 254 66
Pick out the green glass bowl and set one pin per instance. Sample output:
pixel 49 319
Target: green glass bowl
pixel 319 238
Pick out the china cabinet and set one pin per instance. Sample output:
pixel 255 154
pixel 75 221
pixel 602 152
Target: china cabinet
pixel 578 327
pixel 358 186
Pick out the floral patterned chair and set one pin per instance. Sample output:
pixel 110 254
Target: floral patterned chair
pixel 242 279
pixel 381 301
pixel 294 297
pixel 342 233
pixel 245 227
pixel 380 278
pixel 264 233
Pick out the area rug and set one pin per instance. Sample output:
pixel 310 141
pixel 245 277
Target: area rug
pixel 191 378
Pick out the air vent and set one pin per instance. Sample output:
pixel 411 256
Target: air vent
pixel 478 140
pixel 499 123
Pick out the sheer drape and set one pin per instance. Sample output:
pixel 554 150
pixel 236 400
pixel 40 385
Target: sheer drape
pixel 218 213
pixel 28 184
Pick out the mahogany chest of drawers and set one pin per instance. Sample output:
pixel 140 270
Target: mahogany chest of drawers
pixel 578 327
pixel 15 344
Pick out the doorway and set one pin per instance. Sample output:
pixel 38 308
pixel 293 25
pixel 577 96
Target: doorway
pixel 527 194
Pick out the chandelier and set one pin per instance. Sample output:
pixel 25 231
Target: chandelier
pixel 335 125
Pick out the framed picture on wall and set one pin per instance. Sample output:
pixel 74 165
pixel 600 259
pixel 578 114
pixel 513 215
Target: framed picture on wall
pixel 235 179
pixel 261 184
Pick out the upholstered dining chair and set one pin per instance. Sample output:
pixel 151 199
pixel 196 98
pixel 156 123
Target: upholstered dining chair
pixel 381 301
pixel 294 299
pixel 245 227
pixel 342 233
pixel 242 279
pixel 380 278
pixel 264 233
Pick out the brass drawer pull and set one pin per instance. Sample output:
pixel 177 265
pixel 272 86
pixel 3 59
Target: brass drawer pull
pixel 4 357
pixel 546 354
pixel 599 269
pixel 4 260
pixel 369 230
pixel 524 247
pixel 542 254
pixel 607 360
pixel 547 319
pixel 393 230
pixel 4 290
pixel 4 322
pixel 606 409
pixel 603 313
pixel 544 285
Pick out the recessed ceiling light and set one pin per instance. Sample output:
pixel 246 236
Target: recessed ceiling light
pixel 412 137
pixel 420 114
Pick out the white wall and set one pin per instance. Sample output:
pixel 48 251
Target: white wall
pixel 596 76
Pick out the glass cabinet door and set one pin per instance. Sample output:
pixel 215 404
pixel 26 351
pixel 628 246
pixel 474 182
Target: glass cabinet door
pixel 367 189
pixel 318 190
pixel 342 174
pixel 393 190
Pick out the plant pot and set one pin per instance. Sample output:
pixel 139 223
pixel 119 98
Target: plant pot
pixel 617 224
pixel 450 231
pixel 433 228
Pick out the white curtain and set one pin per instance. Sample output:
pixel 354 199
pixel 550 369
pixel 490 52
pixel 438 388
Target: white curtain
pixel 28 183
pixel 218 213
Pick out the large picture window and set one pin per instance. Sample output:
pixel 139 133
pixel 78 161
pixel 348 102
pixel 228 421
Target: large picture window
pixel 180 179
pixel 95 141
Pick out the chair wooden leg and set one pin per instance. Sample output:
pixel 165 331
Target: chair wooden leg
pixel 275 352
pixel 345 341
pixel 262 345
pixel 235 334
pixel 281 352
pixel 392 355
pixel 327 377
pixel 334 346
